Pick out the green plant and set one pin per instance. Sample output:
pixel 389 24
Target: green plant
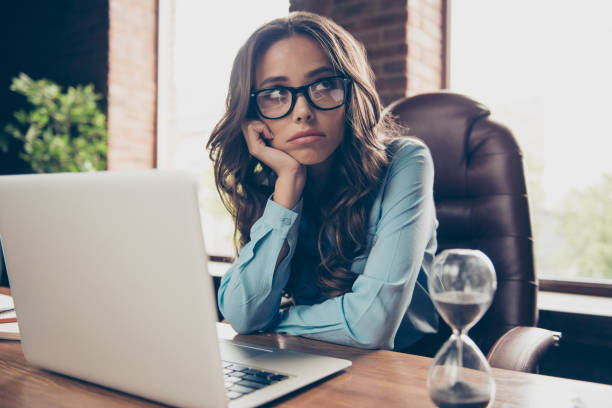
pixel 64 131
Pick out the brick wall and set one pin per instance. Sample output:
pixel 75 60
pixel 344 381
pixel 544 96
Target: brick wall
pixel 132 84
pixel 426 45
pixel 405 40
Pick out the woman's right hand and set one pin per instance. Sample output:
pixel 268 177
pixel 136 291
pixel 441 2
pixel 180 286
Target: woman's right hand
pixel 259 139
pixel 291 174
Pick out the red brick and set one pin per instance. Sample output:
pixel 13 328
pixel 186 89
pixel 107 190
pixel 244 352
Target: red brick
pixel 415 18
pixel 398 66
pixel 418 36
pixel 415 51
pixel 369 38
pixel 432 13
pixel 387 51
pixel 415 6
pixel 319 7
pixel 132 84
pixel 395 35
pixel 431 28
pixel 431 59
pixel 393 84
pixel 388 5
pixel 384 21
pixel 354 10
pixel 418 68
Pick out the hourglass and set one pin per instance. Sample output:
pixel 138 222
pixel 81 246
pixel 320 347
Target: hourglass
pixel 461 285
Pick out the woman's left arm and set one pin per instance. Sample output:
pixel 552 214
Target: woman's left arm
pixel 369 316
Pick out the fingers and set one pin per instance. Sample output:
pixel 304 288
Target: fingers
pixel 258 136
pixel 257 128
pixel 256 133
pixel 267 133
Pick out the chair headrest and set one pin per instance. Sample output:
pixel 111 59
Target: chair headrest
pixel 445 121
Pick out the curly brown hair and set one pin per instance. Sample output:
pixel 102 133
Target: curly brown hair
pixel 244 183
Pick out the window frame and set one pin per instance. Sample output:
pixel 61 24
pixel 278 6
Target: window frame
pixel 578 286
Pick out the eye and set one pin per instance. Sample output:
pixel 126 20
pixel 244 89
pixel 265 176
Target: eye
pixel 275 95
pixel 325 84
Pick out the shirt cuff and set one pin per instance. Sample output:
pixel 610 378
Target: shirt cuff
pixel 279 217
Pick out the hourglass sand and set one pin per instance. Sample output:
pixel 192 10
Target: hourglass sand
pixel 461 285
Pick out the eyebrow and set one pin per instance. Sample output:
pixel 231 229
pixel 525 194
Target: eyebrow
pixel 310 74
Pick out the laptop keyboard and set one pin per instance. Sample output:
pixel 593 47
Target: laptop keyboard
pixel 241 380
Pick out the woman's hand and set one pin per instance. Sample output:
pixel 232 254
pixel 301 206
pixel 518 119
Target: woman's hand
pixel 258 138
pixel 291 174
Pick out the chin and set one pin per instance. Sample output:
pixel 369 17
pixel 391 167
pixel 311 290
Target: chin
pixel 310 159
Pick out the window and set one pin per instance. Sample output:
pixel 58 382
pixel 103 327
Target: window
pixel 196 54
pixel 544 69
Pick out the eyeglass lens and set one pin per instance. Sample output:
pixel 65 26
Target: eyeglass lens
pixel 324 94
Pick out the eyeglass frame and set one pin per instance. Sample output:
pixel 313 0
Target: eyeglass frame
pixel 346 81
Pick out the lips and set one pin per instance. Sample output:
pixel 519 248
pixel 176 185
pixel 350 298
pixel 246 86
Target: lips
pixel 305 135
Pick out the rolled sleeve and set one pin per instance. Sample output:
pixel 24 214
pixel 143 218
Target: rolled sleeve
pixel 250 292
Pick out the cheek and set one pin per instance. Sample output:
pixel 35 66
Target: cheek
pixel 276 127
pixel 338 125
pixel 279 137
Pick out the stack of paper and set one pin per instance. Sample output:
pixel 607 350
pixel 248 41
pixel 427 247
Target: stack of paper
pixel 8 331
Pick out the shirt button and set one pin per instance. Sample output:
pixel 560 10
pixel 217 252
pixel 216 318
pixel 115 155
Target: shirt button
pixel 286 221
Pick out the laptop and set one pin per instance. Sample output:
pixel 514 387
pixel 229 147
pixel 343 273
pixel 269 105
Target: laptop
pixel 109 276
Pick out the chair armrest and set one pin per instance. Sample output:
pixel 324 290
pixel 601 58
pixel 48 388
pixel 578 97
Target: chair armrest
pixel 521 348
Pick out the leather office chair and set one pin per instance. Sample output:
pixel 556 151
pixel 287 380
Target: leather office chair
pixel 481 203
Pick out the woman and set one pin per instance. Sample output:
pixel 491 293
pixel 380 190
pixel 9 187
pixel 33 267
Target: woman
pixel 331 211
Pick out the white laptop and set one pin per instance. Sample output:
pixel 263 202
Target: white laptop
pixel 109 276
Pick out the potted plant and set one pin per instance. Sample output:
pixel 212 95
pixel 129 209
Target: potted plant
pixel 63 131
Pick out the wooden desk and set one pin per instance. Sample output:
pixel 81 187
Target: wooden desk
pixel 376 378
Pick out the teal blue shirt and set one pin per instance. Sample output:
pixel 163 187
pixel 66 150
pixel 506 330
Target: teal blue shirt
pixel 388 307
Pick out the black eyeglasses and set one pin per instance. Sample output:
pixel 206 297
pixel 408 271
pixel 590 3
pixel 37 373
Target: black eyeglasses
pixel 323 94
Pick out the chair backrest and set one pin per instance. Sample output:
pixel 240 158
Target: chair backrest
pixel 481 199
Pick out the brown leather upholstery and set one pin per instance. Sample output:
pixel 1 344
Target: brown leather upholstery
pixel 481 203
pixel 521 348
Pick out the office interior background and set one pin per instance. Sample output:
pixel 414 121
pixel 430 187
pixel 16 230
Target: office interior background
pixel 542 67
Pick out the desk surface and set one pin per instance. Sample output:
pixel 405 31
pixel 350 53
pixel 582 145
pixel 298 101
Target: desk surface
pixel 376 378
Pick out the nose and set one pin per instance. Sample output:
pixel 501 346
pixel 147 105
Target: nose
pixel 302 111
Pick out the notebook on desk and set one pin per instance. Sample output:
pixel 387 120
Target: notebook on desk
pixel 9 330
pixel 108 272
